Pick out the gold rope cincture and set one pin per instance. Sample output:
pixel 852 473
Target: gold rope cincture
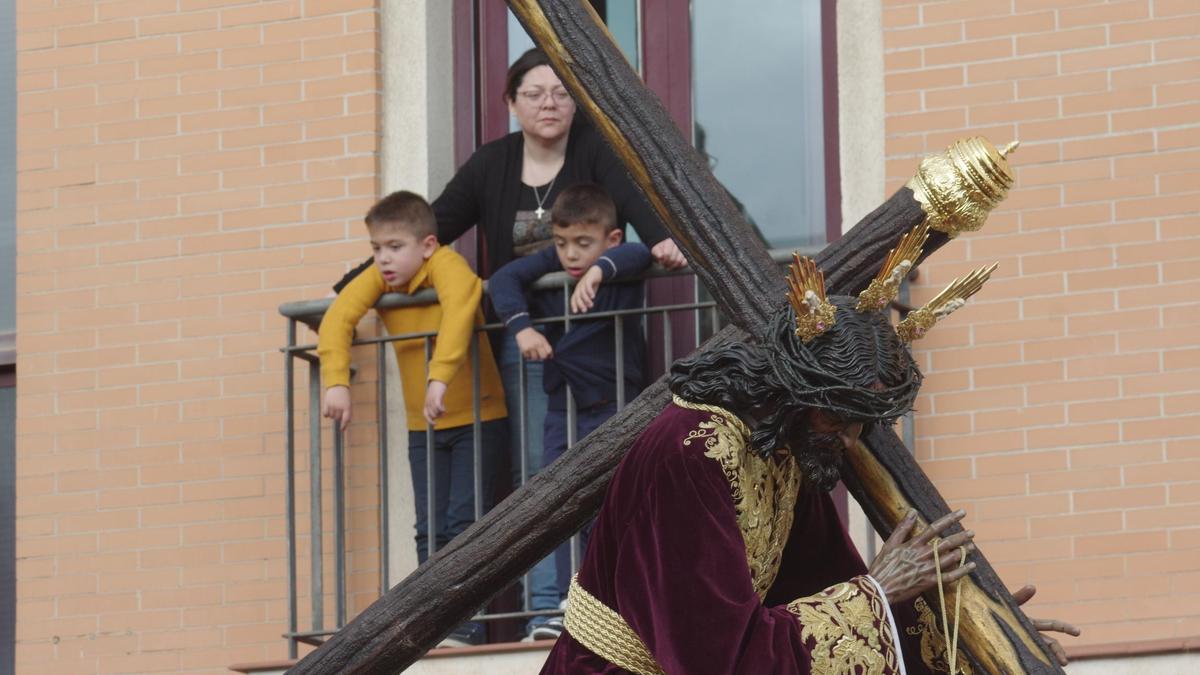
pixel 951 643
pixel 596 626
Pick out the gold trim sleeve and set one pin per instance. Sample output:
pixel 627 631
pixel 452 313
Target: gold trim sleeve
pixel 847 630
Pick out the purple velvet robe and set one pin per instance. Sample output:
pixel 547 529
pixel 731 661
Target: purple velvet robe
pixel 668 553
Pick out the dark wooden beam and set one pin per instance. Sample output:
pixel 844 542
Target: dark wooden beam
pixel 398 628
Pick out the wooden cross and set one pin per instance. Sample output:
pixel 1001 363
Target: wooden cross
pixel 735 267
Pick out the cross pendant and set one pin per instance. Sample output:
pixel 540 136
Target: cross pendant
pixel 539 212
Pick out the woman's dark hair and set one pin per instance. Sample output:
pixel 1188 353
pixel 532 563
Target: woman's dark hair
pixel 516 72
pixel 858 370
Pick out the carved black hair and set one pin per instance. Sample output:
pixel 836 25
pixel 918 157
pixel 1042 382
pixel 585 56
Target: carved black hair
pixel 858 370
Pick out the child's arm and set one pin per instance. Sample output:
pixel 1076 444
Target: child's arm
pixel 620 262
pixel 336 334
pixel 507 289
pixel 459 290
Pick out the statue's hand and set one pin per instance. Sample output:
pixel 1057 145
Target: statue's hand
pixel 905 567
pixel 1022 595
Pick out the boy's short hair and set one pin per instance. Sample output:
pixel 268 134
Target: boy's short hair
pixel 585 203
pixel 404 210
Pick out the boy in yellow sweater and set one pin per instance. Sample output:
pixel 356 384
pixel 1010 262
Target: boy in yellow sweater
pixel 408 258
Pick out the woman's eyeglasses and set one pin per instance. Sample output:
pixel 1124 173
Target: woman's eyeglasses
pixel 537 96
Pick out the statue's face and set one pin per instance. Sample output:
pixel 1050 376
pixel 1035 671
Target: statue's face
pixel 827 440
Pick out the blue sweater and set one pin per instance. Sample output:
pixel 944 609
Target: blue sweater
pixel 584 355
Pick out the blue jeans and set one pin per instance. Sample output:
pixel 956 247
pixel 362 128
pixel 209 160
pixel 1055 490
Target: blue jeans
pixel 535 409
pixel 453 478
pixel 558 565
pixel 541 579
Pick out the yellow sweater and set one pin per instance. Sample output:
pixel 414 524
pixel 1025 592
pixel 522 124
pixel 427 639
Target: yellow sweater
pixel 454 316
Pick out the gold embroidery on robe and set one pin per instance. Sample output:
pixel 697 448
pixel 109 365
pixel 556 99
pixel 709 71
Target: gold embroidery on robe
pixel 764 491
pixel 933 642
pixel 842 625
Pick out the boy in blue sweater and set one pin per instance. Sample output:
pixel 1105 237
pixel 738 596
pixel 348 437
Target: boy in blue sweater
pixel 581 355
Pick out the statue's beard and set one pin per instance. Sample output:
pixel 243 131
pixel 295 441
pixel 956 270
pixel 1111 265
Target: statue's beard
pixel 820 458
pixel 818 455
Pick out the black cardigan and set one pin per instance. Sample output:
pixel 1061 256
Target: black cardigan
pixel 486 189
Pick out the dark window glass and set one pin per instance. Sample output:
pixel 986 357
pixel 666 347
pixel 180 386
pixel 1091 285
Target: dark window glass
pixel 758 110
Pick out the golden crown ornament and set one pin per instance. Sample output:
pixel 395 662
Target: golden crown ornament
pixel 806 291
pixel 900 260
pixel 919 321
pixel 958 188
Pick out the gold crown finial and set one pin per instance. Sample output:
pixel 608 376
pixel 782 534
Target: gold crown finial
pixel 1010 148
pixel 806 292
pixel 959 188
pixel 900 260
pixel 919 321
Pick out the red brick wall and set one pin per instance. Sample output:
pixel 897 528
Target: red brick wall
pixel 1062 408
pixel 185 167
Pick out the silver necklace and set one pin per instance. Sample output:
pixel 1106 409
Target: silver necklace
pixel 539 211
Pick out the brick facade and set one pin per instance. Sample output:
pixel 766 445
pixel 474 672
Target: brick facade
pixel 185 167
pixel 1063 409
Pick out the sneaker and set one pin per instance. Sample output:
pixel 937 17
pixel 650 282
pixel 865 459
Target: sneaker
pixel 550 630
pixel 470 634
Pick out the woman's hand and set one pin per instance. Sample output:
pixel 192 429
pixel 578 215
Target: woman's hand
pixel 1022 596
pixel 667 254
pixel 584 295
pixel 533 345
pixel 904 567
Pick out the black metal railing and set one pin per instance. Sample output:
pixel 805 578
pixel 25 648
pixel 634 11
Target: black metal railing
pixel 310 313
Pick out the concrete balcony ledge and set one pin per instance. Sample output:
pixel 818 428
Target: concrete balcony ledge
pixel 505 658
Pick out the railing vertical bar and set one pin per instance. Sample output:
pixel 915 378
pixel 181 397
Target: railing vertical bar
pixel 430 487
pixel 476 428
pixel 668 347
pixel 523 415
pixel 316 525
pixel 382 426
pixel 289 386
pixel 572 415
pixel 522 421
pixel 619 357
pixel 569 394
pixel 339 526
